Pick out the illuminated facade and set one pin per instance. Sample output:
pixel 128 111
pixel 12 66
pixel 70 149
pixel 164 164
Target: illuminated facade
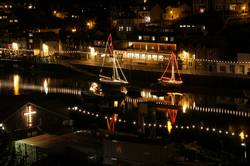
pixel 234 6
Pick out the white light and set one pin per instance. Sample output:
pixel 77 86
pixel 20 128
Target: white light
pixel 45 86
pixel 243 144
pixel 147 19
pixel 92 51
pixel 45 48
pixel 14 46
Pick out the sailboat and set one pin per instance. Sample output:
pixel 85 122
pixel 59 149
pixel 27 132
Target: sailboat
pixel 172 79
pixel 117 76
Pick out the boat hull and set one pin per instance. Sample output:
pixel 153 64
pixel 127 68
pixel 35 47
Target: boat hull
pixel 170 82
pixel 112 81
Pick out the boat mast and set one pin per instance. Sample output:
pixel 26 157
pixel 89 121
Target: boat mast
pixel 172 73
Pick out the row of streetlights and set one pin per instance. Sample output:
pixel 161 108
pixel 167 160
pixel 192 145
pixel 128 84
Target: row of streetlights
pixel 45 48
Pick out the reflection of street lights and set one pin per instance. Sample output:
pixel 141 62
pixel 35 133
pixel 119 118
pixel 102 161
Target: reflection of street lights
pixel 243 143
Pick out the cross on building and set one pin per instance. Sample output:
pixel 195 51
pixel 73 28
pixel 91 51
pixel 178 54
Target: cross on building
pixel 29 115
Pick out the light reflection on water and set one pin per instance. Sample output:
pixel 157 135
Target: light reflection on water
pixel 148 113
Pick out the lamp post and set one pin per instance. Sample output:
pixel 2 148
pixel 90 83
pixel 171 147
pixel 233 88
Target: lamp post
pixel 15 48
pixel 171 13
pixel 45 48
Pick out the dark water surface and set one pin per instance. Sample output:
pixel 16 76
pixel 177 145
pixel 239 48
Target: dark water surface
pixel 205 123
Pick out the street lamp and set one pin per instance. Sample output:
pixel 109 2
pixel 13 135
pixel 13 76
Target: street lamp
pixel 243 8
pixel 73 30
pixel 15 47
pixel 90 24
pixel 45 49
pixel 171 13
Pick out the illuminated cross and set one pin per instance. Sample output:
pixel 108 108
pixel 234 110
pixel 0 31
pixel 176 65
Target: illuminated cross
pixel 29 114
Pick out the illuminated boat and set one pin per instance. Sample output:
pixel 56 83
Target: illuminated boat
pixel 117 76
pixel 165 79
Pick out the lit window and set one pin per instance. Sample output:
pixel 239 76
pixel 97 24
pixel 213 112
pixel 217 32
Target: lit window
pixel 30 34
pixel 171 39
pixel 136 56
pixel 142 56
pixel 154 57
pixel 153 38
pixel 166 38
pixel 139 37
pixel 120 28
pixel 202 10
pixel 149 57
pixel 30 40
pixel 232 7
pixel 130 44
pixel 160 58
pixel 11 20
pixel 145 1
pixel 15 20
pixel 1 17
